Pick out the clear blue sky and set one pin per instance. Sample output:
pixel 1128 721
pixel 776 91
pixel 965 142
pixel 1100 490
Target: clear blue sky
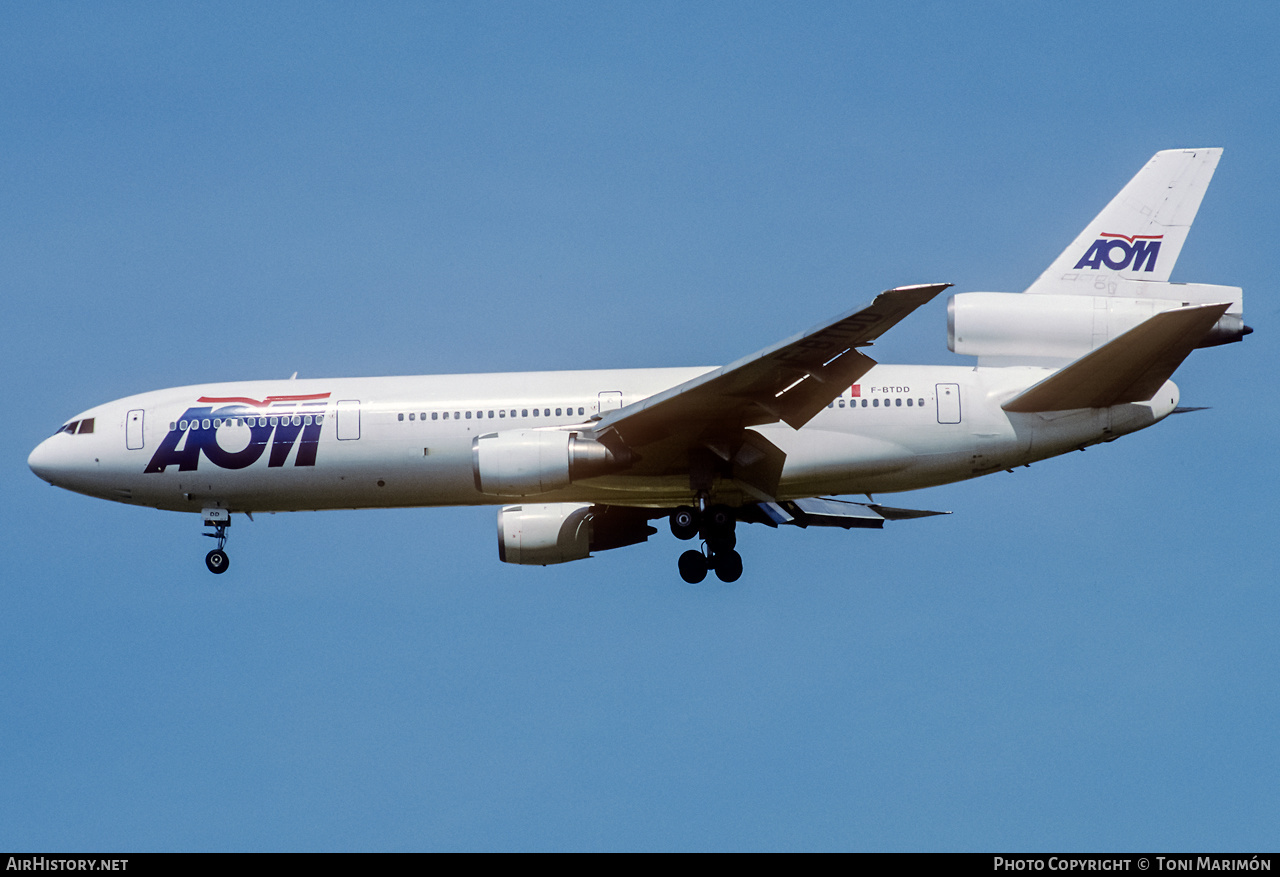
pixel 1083 656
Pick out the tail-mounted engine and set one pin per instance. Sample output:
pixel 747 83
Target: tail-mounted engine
pixel 546 533
pixel 1064 327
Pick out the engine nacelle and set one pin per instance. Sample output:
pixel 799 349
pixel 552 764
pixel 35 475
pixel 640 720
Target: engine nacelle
pixel 1064 327
pixel 527 462
pixel 546 533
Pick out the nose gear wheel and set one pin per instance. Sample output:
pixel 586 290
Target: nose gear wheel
pixel 217 560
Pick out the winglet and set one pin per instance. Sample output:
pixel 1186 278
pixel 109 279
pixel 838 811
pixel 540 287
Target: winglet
pixel 1129 368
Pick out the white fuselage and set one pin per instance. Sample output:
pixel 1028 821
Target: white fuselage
pixel 407 441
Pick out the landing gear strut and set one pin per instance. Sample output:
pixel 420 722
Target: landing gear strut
pixel 715 525
pixel 219 519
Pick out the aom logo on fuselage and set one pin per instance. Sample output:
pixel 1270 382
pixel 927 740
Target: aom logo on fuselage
pixel 278 421
pixel 1118 252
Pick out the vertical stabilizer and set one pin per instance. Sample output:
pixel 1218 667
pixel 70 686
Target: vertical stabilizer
pixel 1138 236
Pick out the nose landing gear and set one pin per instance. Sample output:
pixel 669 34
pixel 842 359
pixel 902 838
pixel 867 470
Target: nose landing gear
pixel 219 519
pixel 217 560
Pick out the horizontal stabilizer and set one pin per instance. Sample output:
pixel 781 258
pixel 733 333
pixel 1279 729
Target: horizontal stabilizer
pixel 1130 368
pixel 824 512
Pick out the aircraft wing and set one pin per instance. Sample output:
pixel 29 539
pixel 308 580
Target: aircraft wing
pixel 790 381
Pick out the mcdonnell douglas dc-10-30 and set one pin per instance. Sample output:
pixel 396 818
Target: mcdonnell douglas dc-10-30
pixel 583 461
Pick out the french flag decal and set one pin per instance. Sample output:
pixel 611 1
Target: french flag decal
pixel 855 391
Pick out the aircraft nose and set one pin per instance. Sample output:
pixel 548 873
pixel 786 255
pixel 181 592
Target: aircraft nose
pixel 79 461
pixel 44 460
pixel 55 460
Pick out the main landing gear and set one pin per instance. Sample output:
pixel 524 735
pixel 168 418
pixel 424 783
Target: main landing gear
pixel 219 520
pixel 715 525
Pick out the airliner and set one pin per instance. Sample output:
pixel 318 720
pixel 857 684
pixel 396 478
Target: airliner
pixel 584 461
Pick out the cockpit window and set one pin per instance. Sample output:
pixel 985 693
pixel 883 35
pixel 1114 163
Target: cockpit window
pixel 76 426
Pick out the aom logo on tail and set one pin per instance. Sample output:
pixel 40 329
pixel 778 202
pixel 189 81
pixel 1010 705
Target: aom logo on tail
pixel 278 422
pixel 1118 252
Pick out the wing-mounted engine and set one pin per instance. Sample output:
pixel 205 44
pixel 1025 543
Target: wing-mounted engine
pixel 1001 327
pixel 528 462
pixel 546 533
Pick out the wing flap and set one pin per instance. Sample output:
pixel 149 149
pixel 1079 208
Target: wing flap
pixel 1130 368
pixel 819 511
